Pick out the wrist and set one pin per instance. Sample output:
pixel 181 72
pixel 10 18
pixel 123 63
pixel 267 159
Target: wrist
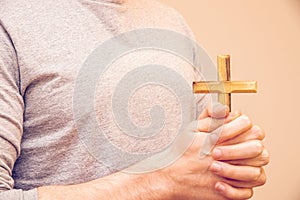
pixel 156 186
pixel 66 192
pixel 148 186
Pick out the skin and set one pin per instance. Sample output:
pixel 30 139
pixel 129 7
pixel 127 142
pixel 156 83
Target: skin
pixel 233 169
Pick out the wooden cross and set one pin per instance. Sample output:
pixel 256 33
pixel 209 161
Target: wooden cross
pixel 224 86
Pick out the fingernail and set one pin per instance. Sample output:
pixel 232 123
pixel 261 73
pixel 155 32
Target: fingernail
pixel 220 187
pixel 217 153
pixel 215 167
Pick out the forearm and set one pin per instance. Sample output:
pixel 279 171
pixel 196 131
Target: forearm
pixel 114 187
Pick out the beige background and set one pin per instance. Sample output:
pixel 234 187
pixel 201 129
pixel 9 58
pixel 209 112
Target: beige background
pixel 263 39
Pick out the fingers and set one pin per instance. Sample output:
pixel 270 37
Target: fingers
pixel 232 116
pixel 210 124
pixel 215 111
pixel 248 149
pixel 234 172
pixel 223 133
pixel 259 161
pixel 255 133
pixel 234 128
pixel 233 193
pixel 244 184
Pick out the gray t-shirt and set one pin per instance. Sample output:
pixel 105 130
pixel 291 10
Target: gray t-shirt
pixel 43 45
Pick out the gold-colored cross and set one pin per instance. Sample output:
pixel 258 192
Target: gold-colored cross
pixel 224 86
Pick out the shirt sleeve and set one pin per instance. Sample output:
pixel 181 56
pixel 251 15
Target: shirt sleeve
pixel 11 120
pixel 202 100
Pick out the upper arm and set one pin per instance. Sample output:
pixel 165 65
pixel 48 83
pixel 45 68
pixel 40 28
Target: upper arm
pixel 11 111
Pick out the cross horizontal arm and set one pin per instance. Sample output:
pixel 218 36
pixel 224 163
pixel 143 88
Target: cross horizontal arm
pixel 225 87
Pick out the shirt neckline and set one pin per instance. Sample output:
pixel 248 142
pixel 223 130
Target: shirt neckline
pixel 110 1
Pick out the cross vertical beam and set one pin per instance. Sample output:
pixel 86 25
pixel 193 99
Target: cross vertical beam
pixel 224 75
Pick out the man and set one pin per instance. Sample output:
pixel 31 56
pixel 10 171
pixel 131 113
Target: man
pixel 43 45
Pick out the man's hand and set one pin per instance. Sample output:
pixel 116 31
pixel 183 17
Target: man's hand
pixel 239 154
pixel 231 172
pixel 234 167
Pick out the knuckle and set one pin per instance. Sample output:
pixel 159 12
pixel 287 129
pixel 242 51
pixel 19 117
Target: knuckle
pixel 257 173
pixel 246 194
pixel 265 157
pixel 259 134
pixel 258 146
pixel 239 194
pixel 262 180
pixel 246 120
pixel 250 194
pixel 262 134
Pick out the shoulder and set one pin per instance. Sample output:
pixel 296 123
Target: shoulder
pixel 164 16
pixel 11 8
